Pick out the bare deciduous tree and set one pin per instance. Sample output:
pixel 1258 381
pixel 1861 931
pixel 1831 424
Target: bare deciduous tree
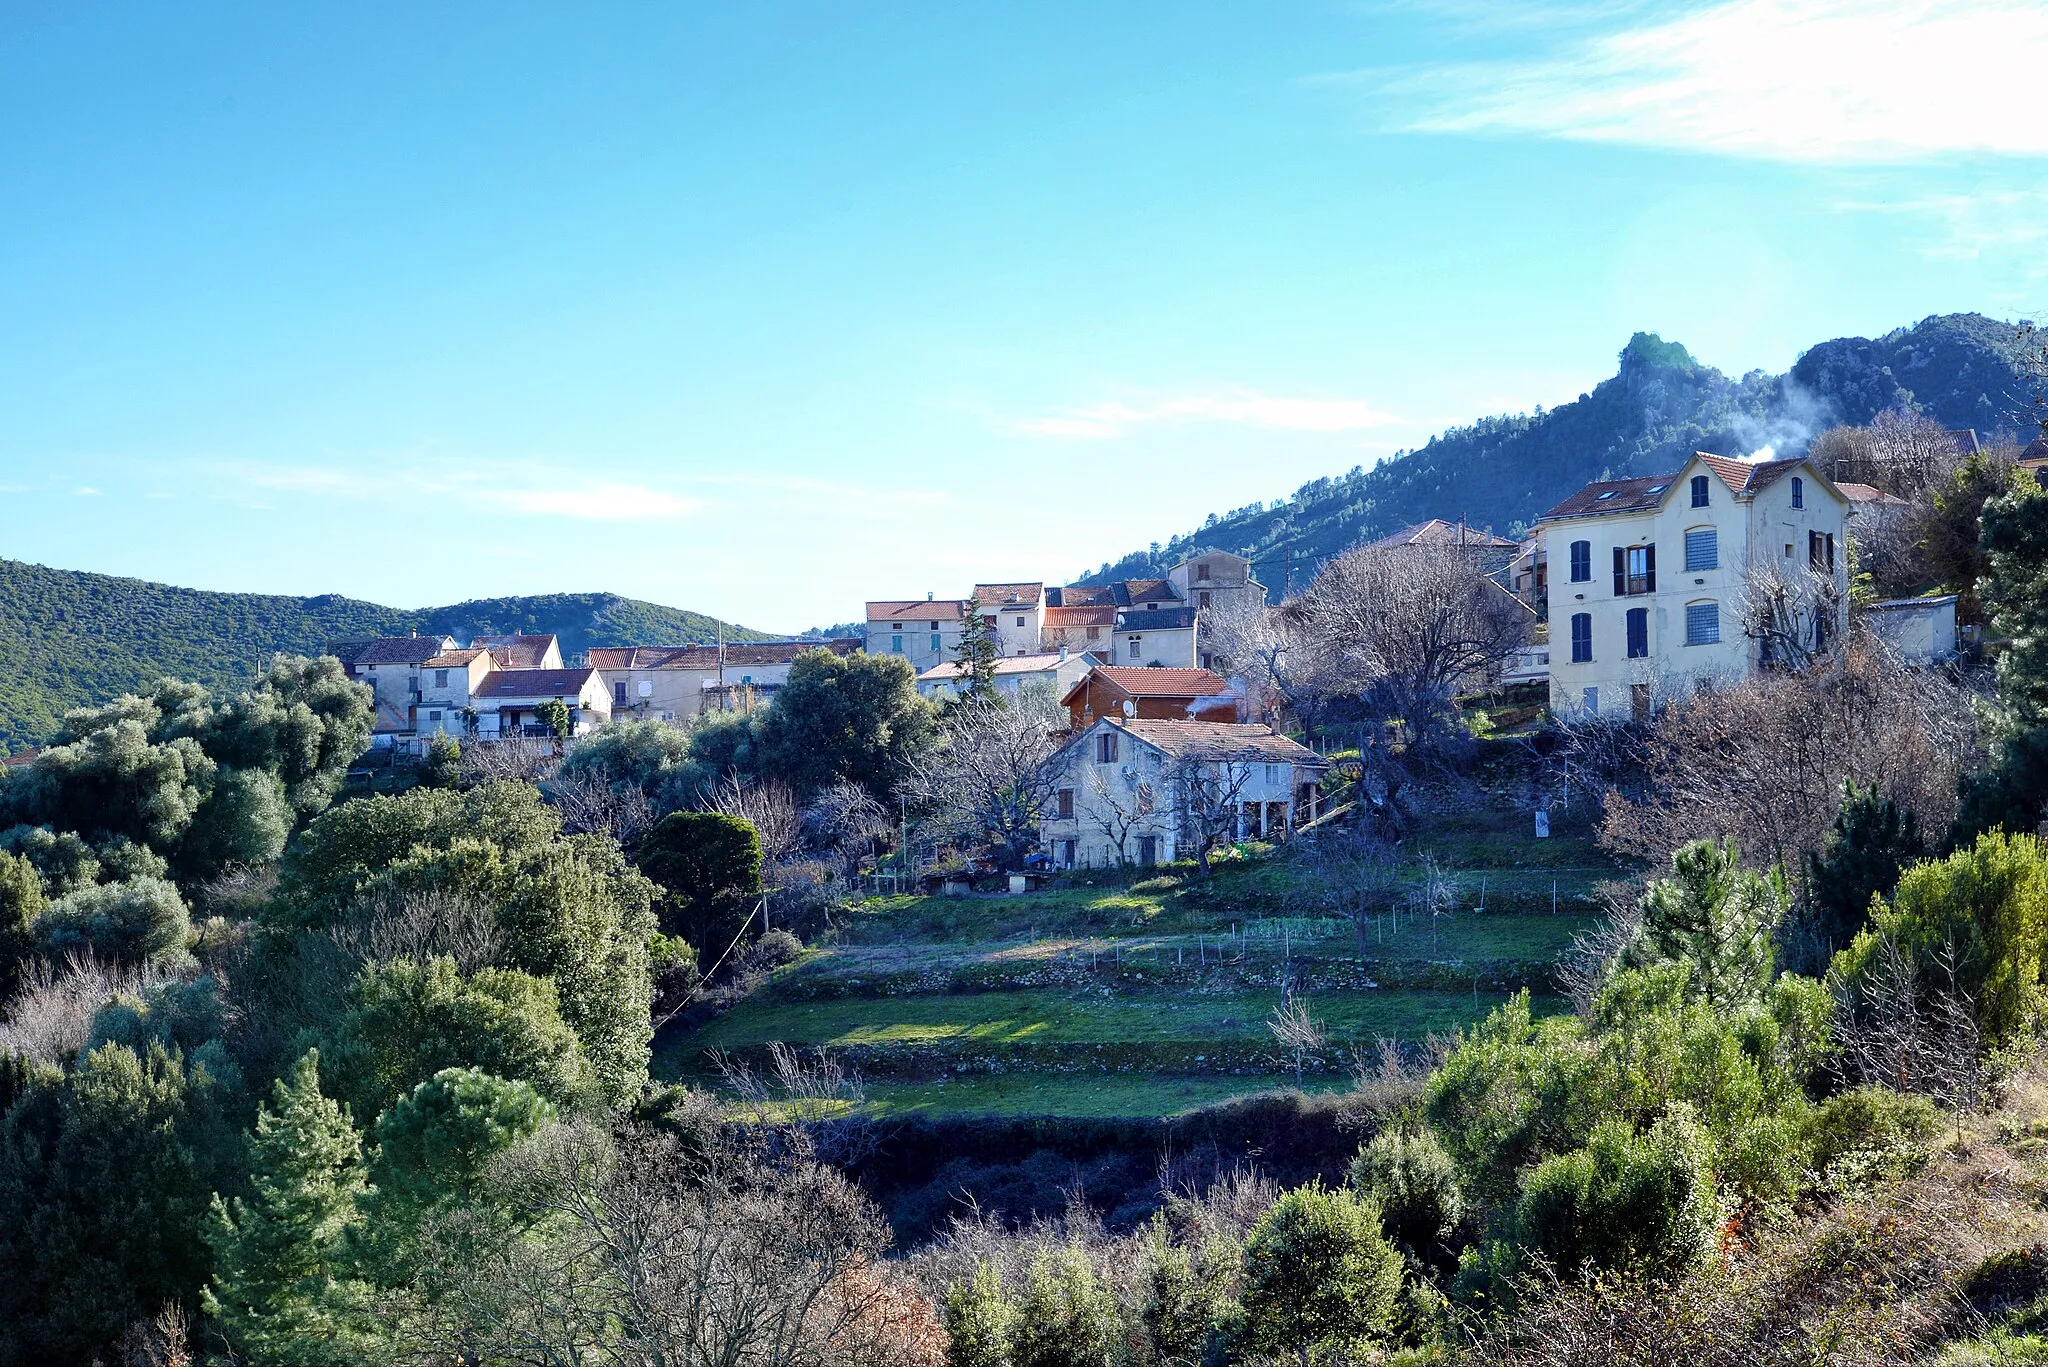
pixel 420 925
pixel 50 1017
pixel 1117 805
pixel 1766 757
pixel 989 777
pixel 767 805
pixel 636 1252
pixel 1297 1032
pixel 524 759
pixel 1209 793
pixel 1407 627
pixel 591 803
pixel 1274 652
pixel 845 820
pixel 1795 615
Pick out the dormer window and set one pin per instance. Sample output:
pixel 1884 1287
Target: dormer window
pixel 1699 491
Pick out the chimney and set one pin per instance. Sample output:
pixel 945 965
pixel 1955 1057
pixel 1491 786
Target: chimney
pixel 1063 652
pixel 927 595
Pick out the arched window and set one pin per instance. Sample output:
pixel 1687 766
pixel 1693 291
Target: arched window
pixel 1699 491
pixel 1798 492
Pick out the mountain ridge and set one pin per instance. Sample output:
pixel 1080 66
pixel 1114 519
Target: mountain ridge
pixel 72 637
pixel 1660 405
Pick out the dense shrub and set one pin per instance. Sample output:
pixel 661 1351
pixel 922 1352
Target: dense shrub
pixel 1319 1278
pixel 1625 1202
pixel 135 923
pixel 1887 1128
pixel 1413 1181
pixel 709 869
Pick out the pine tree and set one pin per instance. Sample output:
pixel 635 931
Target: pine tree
pixel 1717 916
pixel 979 652
pixel 21 901
pixel 1870 845
pixel 279 1293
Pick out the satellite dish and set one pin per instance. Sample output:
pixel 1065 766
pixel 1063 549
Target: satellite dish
pixel 1130 708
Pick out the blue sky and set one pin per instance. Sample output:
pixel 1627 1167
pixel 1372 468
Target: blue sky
pixel 767 308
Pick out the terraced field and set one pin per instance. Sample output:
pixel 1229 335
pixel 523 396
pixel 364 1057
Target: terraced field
pixel 1152 995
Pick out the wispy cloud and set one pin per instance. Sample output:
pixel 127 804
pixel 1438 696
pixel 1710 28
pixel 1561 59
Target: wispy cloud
pixel 524 490
pixel 1102 421
pixel 1832 81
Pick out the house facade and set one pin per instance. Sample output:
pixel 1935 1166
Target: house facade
pixel 1215 579
pixel 508 701
pixel 675 683
pixel 1649 577
pixel 1151 695
pixel 391 666
pixel 1058 670
pixel 1133 791
pixel 1015 613
pixel 925 631
pixel 448 687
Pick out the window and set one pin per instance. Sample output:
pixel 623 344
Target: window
pixel 1582 562
pixel 619 693
pixel 1788 550
pixel 1820 550
pixel 1095 633
pixel 935 641
pixel 1703 549
pixel 1275 773
pixel 1582 637
pixel 895 626
pixel 1699 491
pixel 1590 700
pixel 1702 624
pixel 1067 853
pixel 1635 570
pixel 1020 621
pixel 896 645
pixel 1202 570
pixel 1105 748
pixel 1638 633
pixel 1202 599
pixel 931 626
pixel 1134 646
pixel 434 715
pixel 440 678
pixel 1066 804
pixel 1798 492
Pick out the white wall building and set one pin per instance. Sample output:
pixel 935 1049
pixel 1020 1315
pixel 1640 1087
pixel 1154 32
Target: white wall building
pixel 507 702
pixel 675 683
pixel 1016 613
pixel 1921 630
pixel 1057 670
pixel 1648 577
pixel 1142 792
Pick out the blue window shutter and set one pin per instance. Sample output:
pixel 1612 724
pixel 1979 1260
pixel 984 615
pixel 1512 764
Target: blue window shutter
pixel 1702 624
pixel 1703 550
pixel 1620 571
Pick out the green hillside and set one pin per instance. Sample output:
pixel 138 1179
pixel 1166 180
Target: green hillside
pixel 68 638
pixel 1660 406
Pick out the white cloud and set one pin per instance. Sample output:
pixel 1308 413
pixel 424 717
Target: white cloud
pixel 1099 422
pixel 1841 81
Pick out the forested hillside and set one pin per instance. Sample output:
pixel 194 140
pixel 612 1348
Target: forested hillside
pixel 68 638
pixel 1660 405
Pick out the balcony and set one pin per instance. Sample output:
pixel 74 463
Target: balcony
pixel 1633 584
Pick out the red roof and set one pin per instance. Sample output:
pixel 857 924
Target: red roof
pixel 1140 681
pixel 1093 615
pixel 930 609
pixel 1008 595
pixel 1218 740
pixel 534 683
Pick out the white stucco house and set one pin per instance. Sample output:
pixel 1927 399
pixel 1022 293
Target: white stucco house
pixel 1132 791
pixel 1921 630
pixel 1649 578
pixel 1015 613
pixel 507 702
pixel 675 683
pixel 1058 670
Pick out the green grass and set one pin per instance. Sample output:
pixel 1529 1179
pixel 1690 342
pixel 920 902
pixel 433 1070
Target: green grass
pixel 997 1022
pixel 1092 1097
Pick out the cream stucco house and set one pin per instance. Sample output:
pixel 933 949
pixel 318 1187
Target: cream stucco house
pixel 675 683
pixel 1649 579
pixel 924 631
pixel 1058 670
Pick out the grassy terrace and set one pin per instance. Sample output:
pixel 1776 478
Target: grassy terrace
pixel 1146 996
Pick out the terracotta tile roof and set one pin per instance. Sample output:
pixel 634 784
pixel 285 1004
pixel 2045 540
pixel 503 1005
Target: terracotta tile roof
pixel 402 650
pixel 1870 493
pixel 1093 615
pixel 1149 591
pixel 1437 532
pixel 1080 596
pixel 517 651
pixel 1141 682
pixel 906 609
pixel 1218 740
pixel 1766 472
pixel 1008 595
pixel 706 657
pixel 1006 664
pixel 450 659
pixel 534 683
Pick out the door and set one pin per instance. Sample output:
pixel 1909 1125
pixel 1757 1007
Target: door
pixel 1148 850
